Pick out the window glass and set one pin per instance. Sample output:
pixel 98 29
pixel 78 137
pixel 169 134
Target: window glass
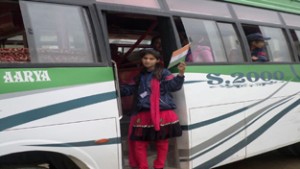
pixel 291 20
pixel 254 14
pixel 141 3
pixel 296 39
pixel 200 7
pixel 206 44
pixel 231 43
pixel 59 33
pixel 277 46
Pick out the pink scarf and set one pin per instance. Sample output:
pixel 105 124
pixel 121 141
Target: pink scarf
pixel 154 103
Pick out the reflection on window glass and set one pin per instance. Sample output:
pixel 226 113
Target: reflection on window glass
pixel 231 43
pixel 277 45
pixel 206 44
pixel 140 3
pixel 48 40
pixel 200 7
pixel 255 14
pixel 291 20
pixel 60 33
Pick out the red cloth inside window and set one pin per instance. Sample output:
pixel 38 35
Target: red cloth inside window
pixel 14 55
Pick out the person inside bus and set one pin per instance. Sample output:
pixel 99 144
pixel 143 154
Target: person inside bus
pixel 156 44
pixel 257 47
pixel 154 118
pixel 200 51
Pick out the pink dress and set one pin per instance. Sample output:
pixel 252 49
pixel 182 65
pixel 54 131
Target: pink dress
pixel 202 54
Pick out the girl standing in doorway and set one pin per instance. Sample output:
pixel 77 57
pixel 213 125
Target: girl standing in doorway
pixel 154 119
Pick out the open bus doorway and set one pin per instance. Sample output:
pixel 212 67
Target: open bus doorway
pixel 128 34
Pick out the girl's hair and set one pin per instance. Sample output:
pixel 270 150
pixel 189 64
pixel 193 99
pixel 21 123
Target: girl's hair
pixel 158 67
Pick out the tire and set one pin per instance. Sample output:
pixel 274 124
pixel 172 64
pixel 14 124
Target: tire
pixel 22 167
pixel 35 159
pixel 291 150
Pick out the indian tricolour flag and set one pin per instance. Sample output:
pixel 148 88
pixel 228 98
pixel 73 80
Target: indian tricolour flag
pixel 179 55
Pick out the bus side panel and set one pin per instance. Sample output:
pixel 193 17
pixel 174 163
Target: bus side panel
pixel 74 139
pixel 207 135
pixel 64 110
pixel 239 108
pixel 279 125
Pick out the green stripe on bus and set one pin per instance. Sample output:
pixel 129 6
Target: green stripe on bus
pixel 292 6
pixel 27 79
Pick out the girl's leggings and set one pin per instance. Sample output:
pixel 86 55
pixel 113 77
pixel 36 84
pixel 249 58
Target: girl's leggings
pixel 138 152
pixel 141 153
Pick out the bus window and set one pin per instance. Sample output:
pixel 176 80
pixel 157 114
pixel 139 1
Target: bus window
pixel 278 46
pixel 13 43
pixel 296 39
pixel 231 43
pixel 206 43
pixel 58 33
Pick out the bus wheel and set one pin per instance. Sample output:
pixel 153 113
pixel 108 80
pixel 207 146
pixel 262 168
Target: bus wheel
pixel 37 160
pixel 23 167
pixel 291 150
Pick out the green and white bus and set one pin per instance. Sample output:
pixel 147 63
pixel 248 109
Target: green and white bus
pixel 62 61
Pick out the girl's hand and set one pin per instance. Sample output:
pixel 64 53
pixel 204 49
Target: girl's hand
pixel 181 68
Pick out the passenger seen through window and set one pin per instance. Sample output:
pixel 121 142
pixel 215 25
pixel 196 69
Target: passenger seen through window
pixel 206 43
pixel 257 47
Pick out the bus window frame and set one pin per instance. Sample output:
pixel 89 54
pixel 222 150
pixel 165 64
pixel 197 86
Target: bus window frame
pixel 287 34
pixel 237 23
pixel 295 50
pixel 241 34
pixel 97 18
pixel 98 54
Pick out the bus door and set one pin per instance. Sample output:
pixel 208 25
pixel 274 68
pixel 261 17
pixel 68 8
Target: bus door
pixel 57 94
pixel 128 33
